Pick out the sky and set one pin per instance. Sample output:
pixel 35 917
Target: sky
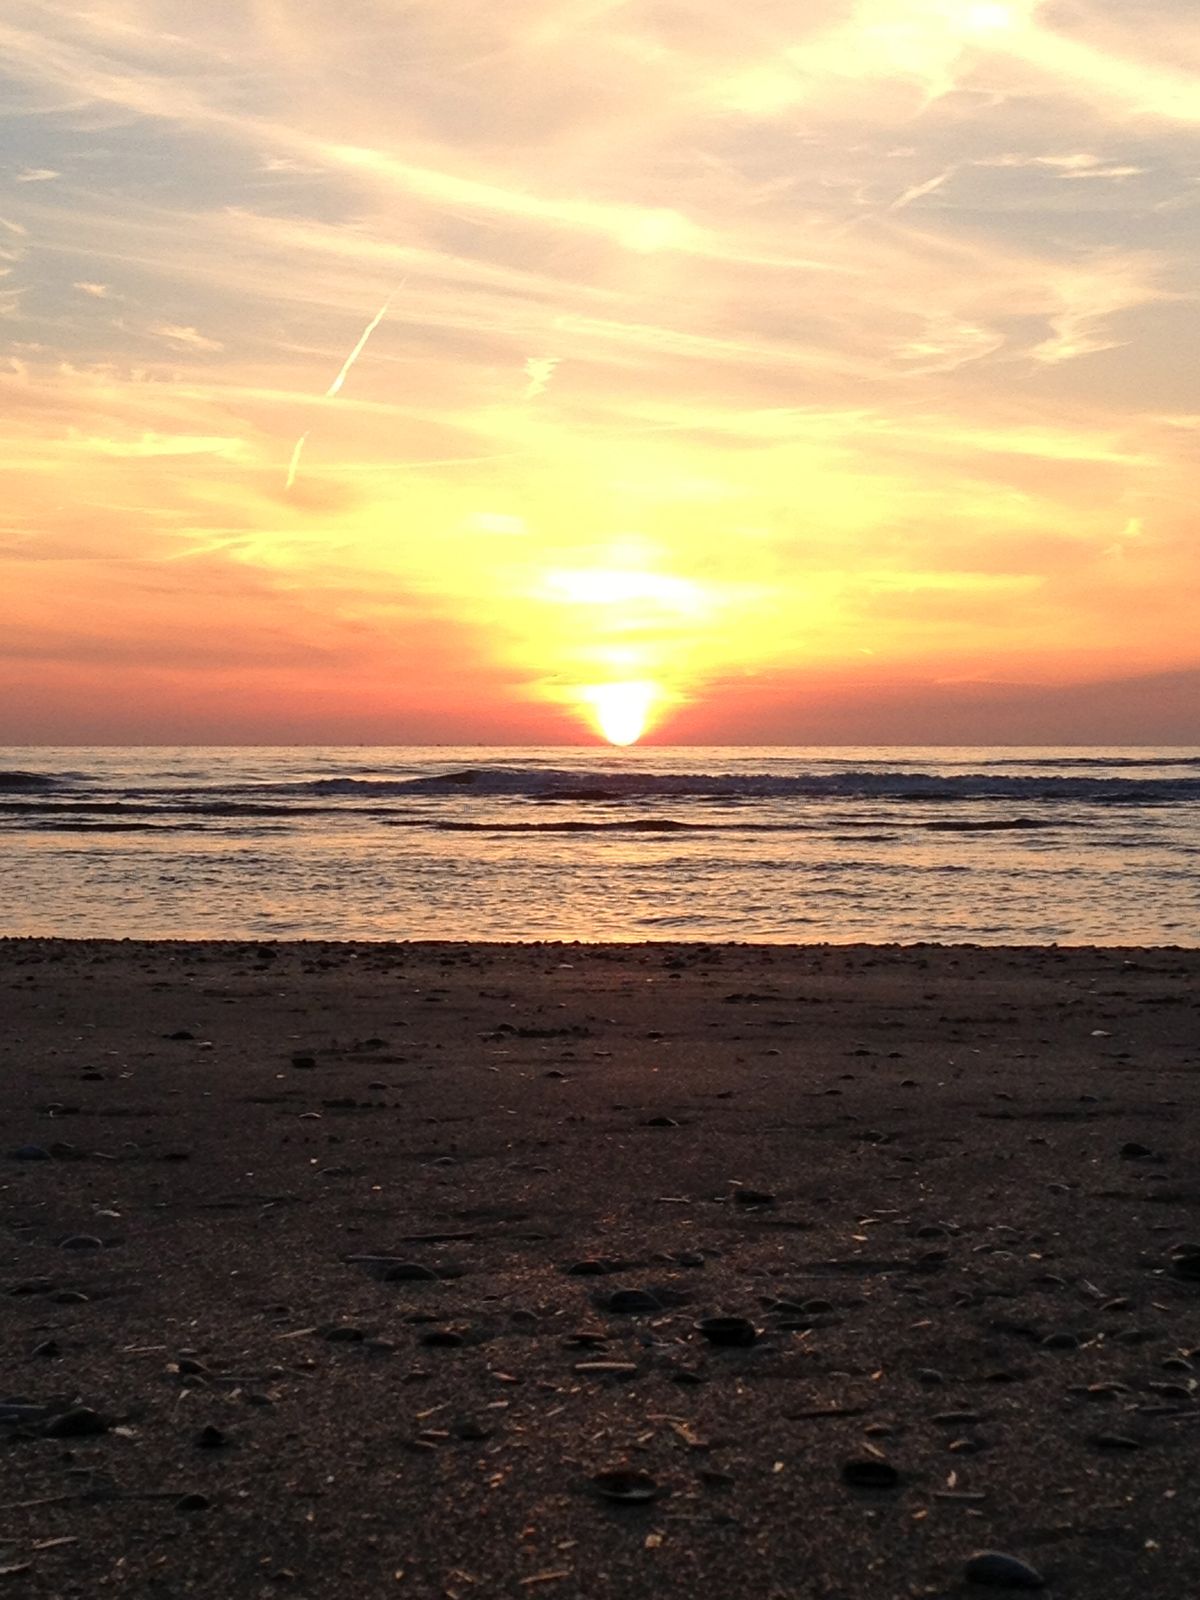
pixel 407 371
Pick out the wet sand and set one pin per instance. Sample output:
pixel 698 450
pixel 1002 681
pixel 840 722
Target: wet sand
pixel 335 1270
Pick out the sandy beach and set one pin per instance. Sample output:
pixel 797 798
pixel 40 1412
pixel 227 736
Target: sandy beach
pixel 347 1270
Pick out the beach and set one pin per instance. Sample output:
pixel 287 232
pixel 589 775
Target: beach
pixel 598 1270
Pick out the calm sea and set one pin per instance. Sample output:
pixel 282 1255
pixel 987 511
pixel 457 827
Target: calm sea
pixel 979 845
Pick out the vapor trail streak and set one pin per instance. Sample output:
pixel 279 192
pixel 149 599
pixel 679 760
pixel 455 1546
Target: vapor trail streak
pixel 335 387
pixel 337 383
pixel 294 464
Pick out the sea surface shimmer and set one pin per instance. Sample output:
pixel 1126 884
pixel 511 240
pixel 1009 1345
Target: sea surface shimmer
pixel 991 846
pixel 356 1270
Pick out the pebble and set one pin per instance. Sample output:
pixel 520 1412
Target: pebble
pixel 1115 1441
pixel 1132 1151
pixel 1187 1266
pixel 625 1486
pixel 341 1333
pixel 304 1061
pixel 753 1197
pixel 407 1272
pixel 472 1430
pixel 998 1571
pixel 1060 1341
pixel 210 1438
pixel 29 1152
pixel 81 1422
pixel 442 1339
pixel 591 1268
pixel 729 1332
pixel 632 1302
pixel 869 1472
pixel 81 1241
pixel 192 1502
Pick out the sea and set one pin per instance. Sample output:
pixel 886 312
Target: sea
pixel 979 846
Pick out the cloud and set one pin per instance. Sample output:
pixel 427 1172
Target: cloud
pixel 855 300
pixel 539 370
pixel 188 337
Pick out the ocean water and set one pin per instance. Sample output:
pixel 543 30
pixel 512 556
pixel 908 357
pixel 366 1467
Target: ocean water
pixel 954 845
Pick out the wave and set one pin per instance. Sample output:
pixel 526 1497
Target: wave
pixel 578 825
pixel 28 782
pixel 544 785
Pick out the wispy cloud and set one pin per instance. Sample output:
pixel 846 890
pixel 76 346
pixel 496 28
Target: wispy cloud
pixel 187 337
pixel 819 313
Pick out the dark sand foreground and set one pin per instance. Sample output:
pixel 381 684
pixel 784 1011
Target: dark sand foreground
pixel 956 1191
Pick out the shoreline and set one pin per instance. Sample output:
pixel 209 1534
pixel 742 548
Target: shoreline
pixel 331 1197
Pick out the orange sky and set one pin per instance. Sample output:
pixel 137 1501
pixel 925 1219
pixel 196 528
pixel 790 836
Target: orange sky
pixel 420 372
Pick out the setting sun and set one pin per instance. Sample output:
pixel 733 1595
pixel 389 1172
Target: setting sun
pixel 621 710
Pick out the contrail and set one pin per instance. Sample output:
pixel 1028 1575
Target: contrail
pixel 360 346
pixel 297 452
pixel 335 387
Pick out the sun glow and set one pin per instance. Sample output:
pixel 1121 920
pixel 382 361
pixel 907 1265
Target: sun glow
pixel 990 18
pixel 621 710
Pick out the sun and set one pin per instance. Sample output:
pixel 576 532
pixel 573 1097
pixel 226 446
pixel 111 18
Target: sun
pixel 989 17
pixel 621 710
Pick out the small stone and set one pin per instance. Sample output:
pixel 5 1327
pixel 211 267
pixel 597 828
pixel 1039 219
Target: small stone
pixel 870 1472
pixel 302 1062
pixel 340 1333
pixel 1115 1441
pixel 930 1377
pixel 442 1339
pixel 81 1422
pixel 753 1197
pixel 592 1267
pixel 1132 1151
pixel 407 1272
pixel 192 1502
pixel 661 1122
pixel 625 1486
pixel 586 1338
pixel 210 1438
pixel 729 1332
pixel 1060 1341
pixel 71 1297
pixel 29 1152
pixel 998 1571
pixel 48 1349
pixel 1187 1266
pixel 632 1302
pixel 81 1241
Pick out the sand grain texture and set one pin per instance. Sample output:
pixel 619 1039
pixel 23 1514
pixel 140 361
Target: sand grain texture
pixel 381 1268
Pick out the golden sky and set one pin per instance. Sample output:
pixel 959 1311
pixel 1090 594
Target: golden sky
pixel 420 370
